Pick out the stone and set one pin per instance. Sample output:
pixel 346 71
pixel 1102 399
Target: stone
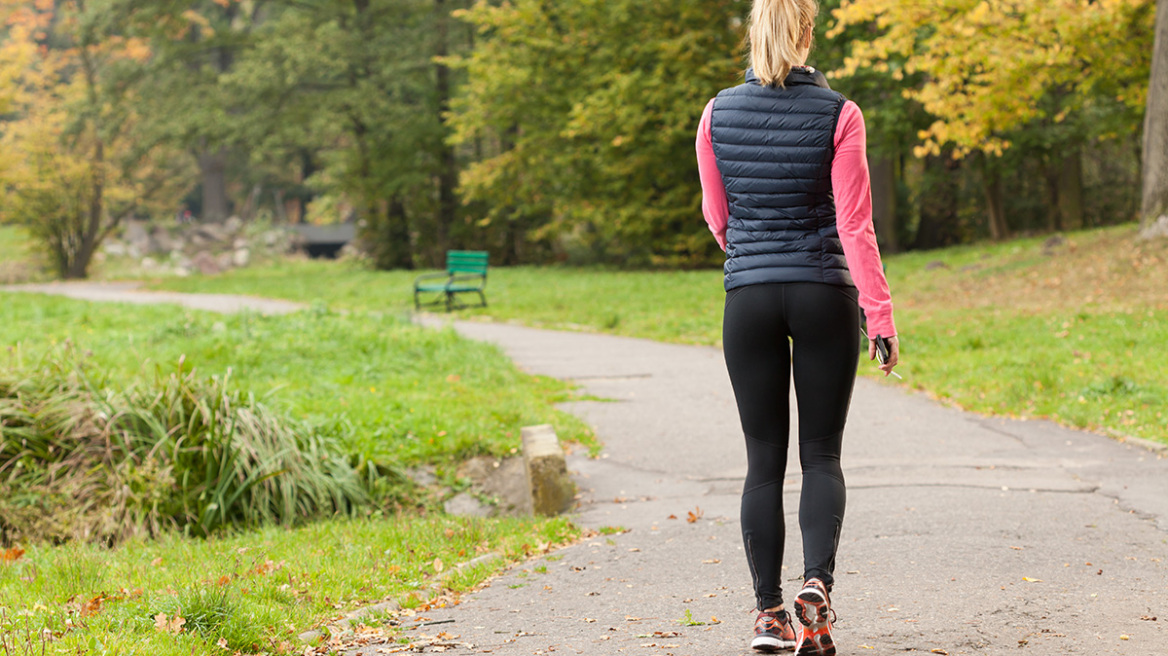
pixel 552 488
pixel 137 235
pixel 503 481
pixel 241 257
pixel 423 476
pixel 160 241
pixel 115 248
pixel 205 263
pixel 224 260
pixel 466 505
pixel 233 225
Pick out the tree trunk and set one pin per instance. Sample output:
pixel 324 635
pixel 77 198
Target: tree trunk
pixel 1154 210
pixel 1070 190
pixel 939 220
pixel 884 202
pixel 995 212
pixel 448 173
pixel 213 169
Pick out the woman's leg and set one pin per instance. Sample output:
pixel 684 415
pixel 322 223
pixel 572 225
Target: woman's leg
pixel 757 350
pixel 825 330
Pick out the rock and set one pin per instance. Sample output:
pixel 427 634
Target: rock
pixel 423 476
pixel 239 243
pixel 241 257
pixel 205 263
pixel 504 481
pixel 137 236
pixel 115 248
pixel 160 241
pixel 465 504
pixel 233 225
pixel 224 260
pixel 552 488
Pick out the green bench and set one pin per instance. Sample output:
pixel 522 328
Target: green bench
pixel 466 272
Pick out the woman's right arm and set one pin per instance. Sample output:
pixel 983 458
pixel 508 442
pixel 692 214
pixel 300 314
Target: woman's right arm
pixel 853 205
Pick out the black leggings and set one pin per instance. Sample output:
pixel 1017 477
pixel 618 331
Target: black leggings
pixel 766 329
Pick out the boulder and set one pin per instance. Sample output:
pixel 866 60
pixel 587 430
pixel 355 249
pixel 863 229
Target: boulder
pixel 205 263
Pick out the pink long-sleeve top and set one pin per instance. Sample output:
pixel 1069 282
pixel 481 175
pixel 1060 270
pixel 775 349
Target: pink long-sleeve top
pixel 853 208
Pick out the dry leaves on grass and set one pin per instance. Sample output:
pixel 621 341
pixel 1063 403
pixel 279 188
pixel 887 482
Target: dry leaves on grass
pixel 169 625
pixel 11 555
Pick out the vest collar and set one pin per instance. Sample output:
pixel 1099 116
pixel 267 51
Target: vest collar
pixel 799 75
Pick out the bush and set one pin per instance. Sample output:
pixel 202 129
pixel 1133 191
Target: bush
pixel 81 461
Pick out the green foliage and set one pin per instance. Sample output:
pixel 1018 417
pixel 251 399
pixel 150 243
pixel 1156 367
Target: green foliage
pixel 87 461
pixel 589 110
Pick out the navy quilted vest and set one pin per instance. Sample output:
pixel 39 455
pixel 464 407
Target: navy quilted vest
pixel 774 148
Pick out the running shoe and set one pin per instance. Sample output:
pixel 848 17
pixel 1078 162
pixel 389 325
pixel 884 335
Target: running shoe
pixel 773 631
pixel 813 609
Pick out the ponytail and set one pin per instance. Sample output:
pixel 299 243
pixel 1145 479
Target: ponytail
pixel 776 37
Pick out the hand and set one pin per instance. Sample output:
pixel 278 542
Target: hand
pixel 893 354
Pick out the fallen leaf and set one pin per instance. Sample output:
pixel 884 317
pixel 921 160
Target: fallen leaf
pixel 222 643
pixel 1148 618
pixel 694 515
pixel 11 555
pixel 630 618
pixel 172 625
pixel 711 561
pixel 92 607
pixel 1124 637
pixel 157 562
pixel 671 517
pixel 939 651
pixel 1030 580
pixel 438 566
pixel 224 580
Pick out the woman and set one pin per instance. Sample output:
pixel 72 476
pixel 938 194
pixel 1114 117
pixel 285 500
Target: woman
pixel 786 194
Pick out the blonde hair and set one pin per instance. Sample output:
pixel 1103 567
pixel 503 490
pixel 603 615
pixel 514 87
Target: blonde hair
pixel 777 28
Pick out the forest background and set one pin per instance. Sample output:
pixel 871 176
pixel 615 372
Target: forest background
pixel 557 132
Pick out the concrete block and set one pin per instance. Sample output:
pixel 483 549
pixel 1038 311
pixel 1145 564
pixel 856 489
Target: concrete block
pixel 552 489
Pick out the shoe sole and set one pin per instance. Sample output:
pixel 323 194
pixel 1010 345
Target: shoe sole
pixel 812 612
pixel 769 644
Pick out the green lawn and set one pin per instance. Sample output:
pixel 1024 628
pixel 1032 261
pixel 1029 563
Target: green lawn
pixel 252 593
pixel 388 390
pixel 1071 331
pixel 391 391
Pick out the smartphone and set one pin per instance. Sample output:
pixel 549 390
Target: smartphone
pixel 882 349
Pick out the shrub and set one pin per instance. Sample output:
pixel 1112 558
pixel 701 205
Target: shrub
pixel 81 460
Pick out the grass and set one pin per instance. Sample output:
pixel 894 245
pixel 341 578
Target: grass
pixel 1068 331
pixel 386 390
pixel 253 592
pixel 390 391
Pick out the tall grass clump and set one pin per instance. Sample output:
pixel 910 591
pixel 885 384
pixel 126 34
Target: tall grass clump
pixel 81 460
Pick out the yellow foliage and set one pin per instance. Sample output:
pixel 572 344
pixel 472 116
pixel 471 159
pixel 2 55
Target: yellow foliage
pixel 987 64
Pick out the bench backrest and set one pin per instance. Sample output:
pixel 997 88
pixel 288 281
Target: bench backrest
pixel 466 262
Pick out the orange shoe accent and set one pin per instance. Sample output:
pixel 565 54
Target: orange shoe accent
pixel 813 609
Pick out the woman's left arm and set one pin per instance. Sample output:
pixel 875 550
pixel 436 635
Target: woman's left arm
pixel 714 205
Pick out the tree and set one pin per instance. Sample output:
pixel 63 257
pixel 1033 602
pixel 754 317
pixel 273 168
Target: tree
pixel 586 113
pixel 1154 211
pixel 1000 72
pixel 79 167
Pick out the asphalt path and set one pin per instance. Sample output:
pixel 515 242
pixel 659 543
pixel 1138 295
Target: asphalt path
pixel 963 535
